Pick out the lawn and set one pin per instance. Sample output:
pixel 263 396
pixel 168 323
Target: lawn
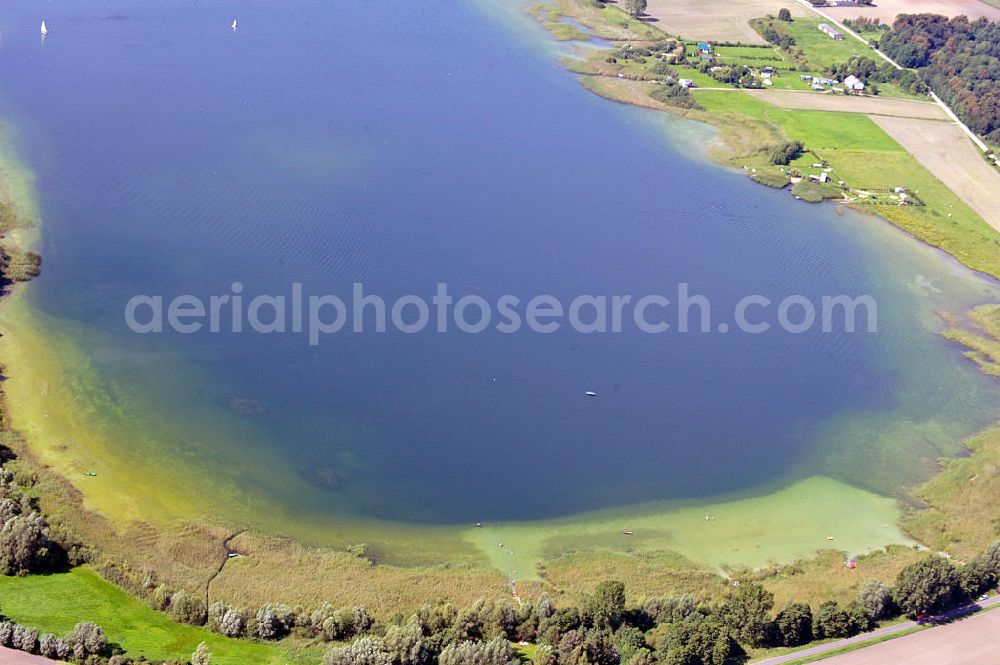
pixel 55 603
pixel 828 129
pixel 820 50
pixel 732 102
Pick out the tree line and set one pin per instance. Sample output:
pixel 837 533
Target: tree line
pixel 605 630
pixel 959 59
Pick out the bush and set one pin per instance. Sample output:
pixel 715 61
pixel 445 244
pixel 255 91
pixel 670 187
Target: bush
pixel 833 621
pixel 607 604
pixel 697 641
pixel 25 546
pixel 495 652
pixel 876 598
pixel 25 639
pixel 231 624
pixel 185 609
pixel 52 647
pixel 406 645
pixel 89 638
pixel 794 625
pixel 669 610
pixel 201 655
pixel 746 613
pixel 784 153
pixel 975 578
pixel 365 651
pixel 993 558
pixel 928 586
pixel 273 622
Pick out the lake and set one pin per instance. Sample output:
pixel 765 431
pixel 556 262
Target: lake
pixel 402 145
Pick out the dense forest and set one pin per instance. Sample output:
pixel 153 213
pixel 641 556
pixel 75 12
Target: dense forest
pixel 958 58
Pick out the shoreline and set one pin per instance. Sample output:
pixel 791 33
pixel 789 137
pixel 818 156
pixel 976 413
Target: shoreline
pixel 748 128
pixel 362 565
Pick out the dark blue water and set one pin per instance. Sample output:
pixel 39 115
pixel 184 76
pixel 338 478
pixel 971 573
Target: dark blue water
pixel 403 144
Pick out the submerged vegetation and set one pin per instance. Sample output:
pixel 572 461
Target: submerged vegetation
pixel 714 616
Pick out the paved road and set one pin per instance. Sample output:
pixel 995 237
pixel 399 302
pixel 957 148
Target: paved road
pixel 936 633
pixel 12 657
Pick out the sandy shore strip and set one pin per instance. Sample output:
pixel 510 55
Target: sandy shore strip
pixel 814 101
pixel 716 20
pixel 947 153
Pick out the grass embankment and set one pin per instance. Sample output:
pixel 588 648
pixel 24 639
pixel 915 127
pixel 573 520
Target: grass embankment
pixel 55 603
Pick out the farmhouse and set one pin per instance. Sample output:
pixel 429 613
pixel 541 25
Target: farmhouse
pixel 831 31
pixel 705 50
pixel 854 85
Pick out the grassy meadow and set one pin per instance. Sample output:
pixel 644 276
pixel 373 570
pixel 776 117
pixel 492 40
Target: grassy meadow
pixel 818 49
pixel 55 603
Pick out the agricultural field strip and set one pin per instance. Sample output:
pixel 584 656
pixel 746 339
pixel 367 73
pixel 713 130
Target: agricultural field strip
pixel 809 101
pixel 716 21
pixel 943 149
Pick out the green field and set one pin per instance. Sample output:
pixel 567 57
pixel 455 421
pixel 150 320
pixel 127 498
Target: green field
pixel 55 603
pixel 820 50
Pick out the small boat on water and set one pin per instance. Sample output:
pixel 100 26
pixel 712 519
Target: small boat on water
pixel 45 30
pixel 590 393
pixel 233 25
pixel 626 533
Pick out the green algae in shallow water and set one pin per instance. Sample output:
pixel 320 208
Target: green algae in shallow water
pixel 753 532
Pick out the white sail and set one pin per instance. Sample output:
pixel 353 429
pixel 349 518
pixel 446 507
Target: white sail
pixel 233 26
pixel 45 30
